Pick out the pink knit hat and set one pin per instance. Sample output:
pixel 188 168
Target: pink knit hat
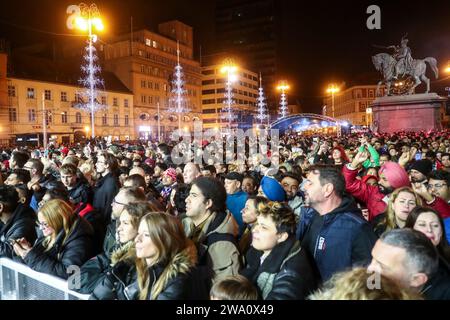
pixel 395 175
pixel 171 172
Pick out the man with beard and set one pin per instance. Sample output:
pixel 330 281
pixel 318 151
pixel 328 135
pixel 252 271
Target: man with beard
pixel 419 170
pixel 333 230
pixel 291 183
pixel 392 176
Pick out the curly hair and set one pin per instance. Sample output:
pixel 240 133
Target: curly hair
pixel 281 214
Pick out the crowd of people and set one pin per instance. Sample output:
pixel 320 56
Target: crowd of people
pixel 362 216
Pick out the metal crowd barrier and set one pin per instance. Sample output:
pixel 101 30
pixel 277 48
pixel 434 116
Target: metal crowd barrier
pixel 19 282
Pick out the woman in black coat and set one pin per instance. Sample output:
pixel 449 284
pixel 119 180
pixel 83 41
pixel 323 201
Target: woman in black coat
pixel 66 241
pixel 276 263
pixel 166 259
pixel 107 278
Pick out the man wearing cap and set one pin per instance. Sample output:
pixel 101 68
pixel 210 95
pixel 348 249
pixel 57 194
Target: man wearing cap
pixel 419 170
pixel 169 180
pixel 236 198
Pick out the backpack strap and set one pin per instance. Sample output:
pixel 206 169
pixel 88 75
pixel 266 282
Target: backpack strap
pixel 216 236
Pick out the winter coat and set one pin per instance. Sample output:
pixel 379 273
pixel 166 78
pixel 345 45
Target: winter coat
pixel 447 228
pixel 104 192
pixel 222 256
pixel 438 286
pixel 81 192
pixel 112 281
pixel 22 224
pixel 86 211
pixel 296 204
pixel 345 238
pixel 175 278
pixel 285 274
pixel 76 250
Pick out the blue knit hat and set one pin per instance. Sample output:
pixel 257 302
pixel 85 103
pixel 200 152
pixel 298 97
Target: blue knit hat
pixel 273 189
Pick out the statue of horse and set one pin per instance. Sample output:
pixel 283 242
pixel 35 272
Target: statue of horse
pixel 385 63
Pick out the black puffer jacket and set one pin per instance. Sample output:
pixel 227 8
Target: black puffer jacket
pixel 76 250
pixel 285 274
pixel 111 282
pixel 81 192
pixel 21 225
pixel 104 192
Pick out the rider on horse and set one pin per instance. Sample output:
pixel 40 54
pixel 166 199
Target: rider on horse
pixel 403 56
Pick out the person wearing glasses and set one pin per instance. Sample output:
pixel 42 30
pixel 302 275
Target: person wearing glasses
pixel 16 221
pixel 439 184
pixel 66 241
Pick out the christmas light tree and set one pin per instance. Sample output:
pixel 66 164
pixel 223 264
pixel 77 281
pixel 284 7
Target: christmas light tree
pixel 228 110
pixel 91 80
pixel 261 104
pixel 178 103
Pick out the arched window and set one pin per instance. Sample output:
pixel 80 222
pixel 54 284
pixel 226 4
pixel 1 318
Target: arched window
pixel 78 117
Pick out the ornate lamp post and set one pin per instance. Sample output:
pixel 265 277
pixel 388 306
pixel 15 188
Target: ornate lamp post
pixel 332 88
pixel 283 87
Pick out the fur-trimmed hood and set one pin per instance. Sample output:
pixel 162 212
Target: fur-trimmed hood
pixel 126 253
pixel 181 264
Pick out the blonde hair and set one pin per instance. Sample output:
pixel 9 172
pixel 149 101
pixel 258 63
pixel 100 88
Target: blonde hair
pixel 234 288
pixel 355 285
pixel 389 220
pixel 60 216
pixel 167 235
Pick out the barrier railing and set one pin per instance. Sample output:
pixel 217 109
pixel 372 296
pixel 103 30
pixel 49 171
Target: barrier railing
pixel 19 282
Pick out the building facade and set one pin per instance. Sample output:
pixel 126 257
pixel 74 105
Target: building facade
pixel 144 61
pixel 245 92
pixel 352 104
pixel 250 29
pixel 27 102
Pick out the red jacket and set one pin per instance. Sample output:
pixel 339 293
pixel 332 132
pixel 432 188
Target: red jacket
pixel 370 195
pixel 373 198
pixel 440 206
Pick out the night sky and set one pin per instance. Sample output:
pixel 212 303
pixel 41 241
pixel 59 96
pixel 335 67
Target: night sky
pixel 321 42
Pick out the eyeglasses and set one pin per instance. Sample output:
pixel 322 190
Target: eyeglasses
pixel 42 225
pixel 435 186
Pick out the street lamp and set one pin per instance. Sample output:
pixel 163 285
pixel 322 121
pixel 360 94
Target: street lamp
pixel 229 68
pixel 283 87
pixel 332 88
pixel 88 20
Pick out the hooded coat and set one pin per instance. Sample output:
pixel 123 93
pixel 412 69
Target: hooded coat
pixel 111 279
pixel 175 279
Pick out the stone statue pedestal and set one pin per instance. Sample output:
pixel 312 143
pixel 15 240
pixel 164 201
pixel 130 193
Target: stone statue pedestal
pixel 414 112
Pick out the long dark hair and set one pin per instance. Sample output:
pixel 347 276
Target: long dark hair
pixel 443 247
pixel 213 189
